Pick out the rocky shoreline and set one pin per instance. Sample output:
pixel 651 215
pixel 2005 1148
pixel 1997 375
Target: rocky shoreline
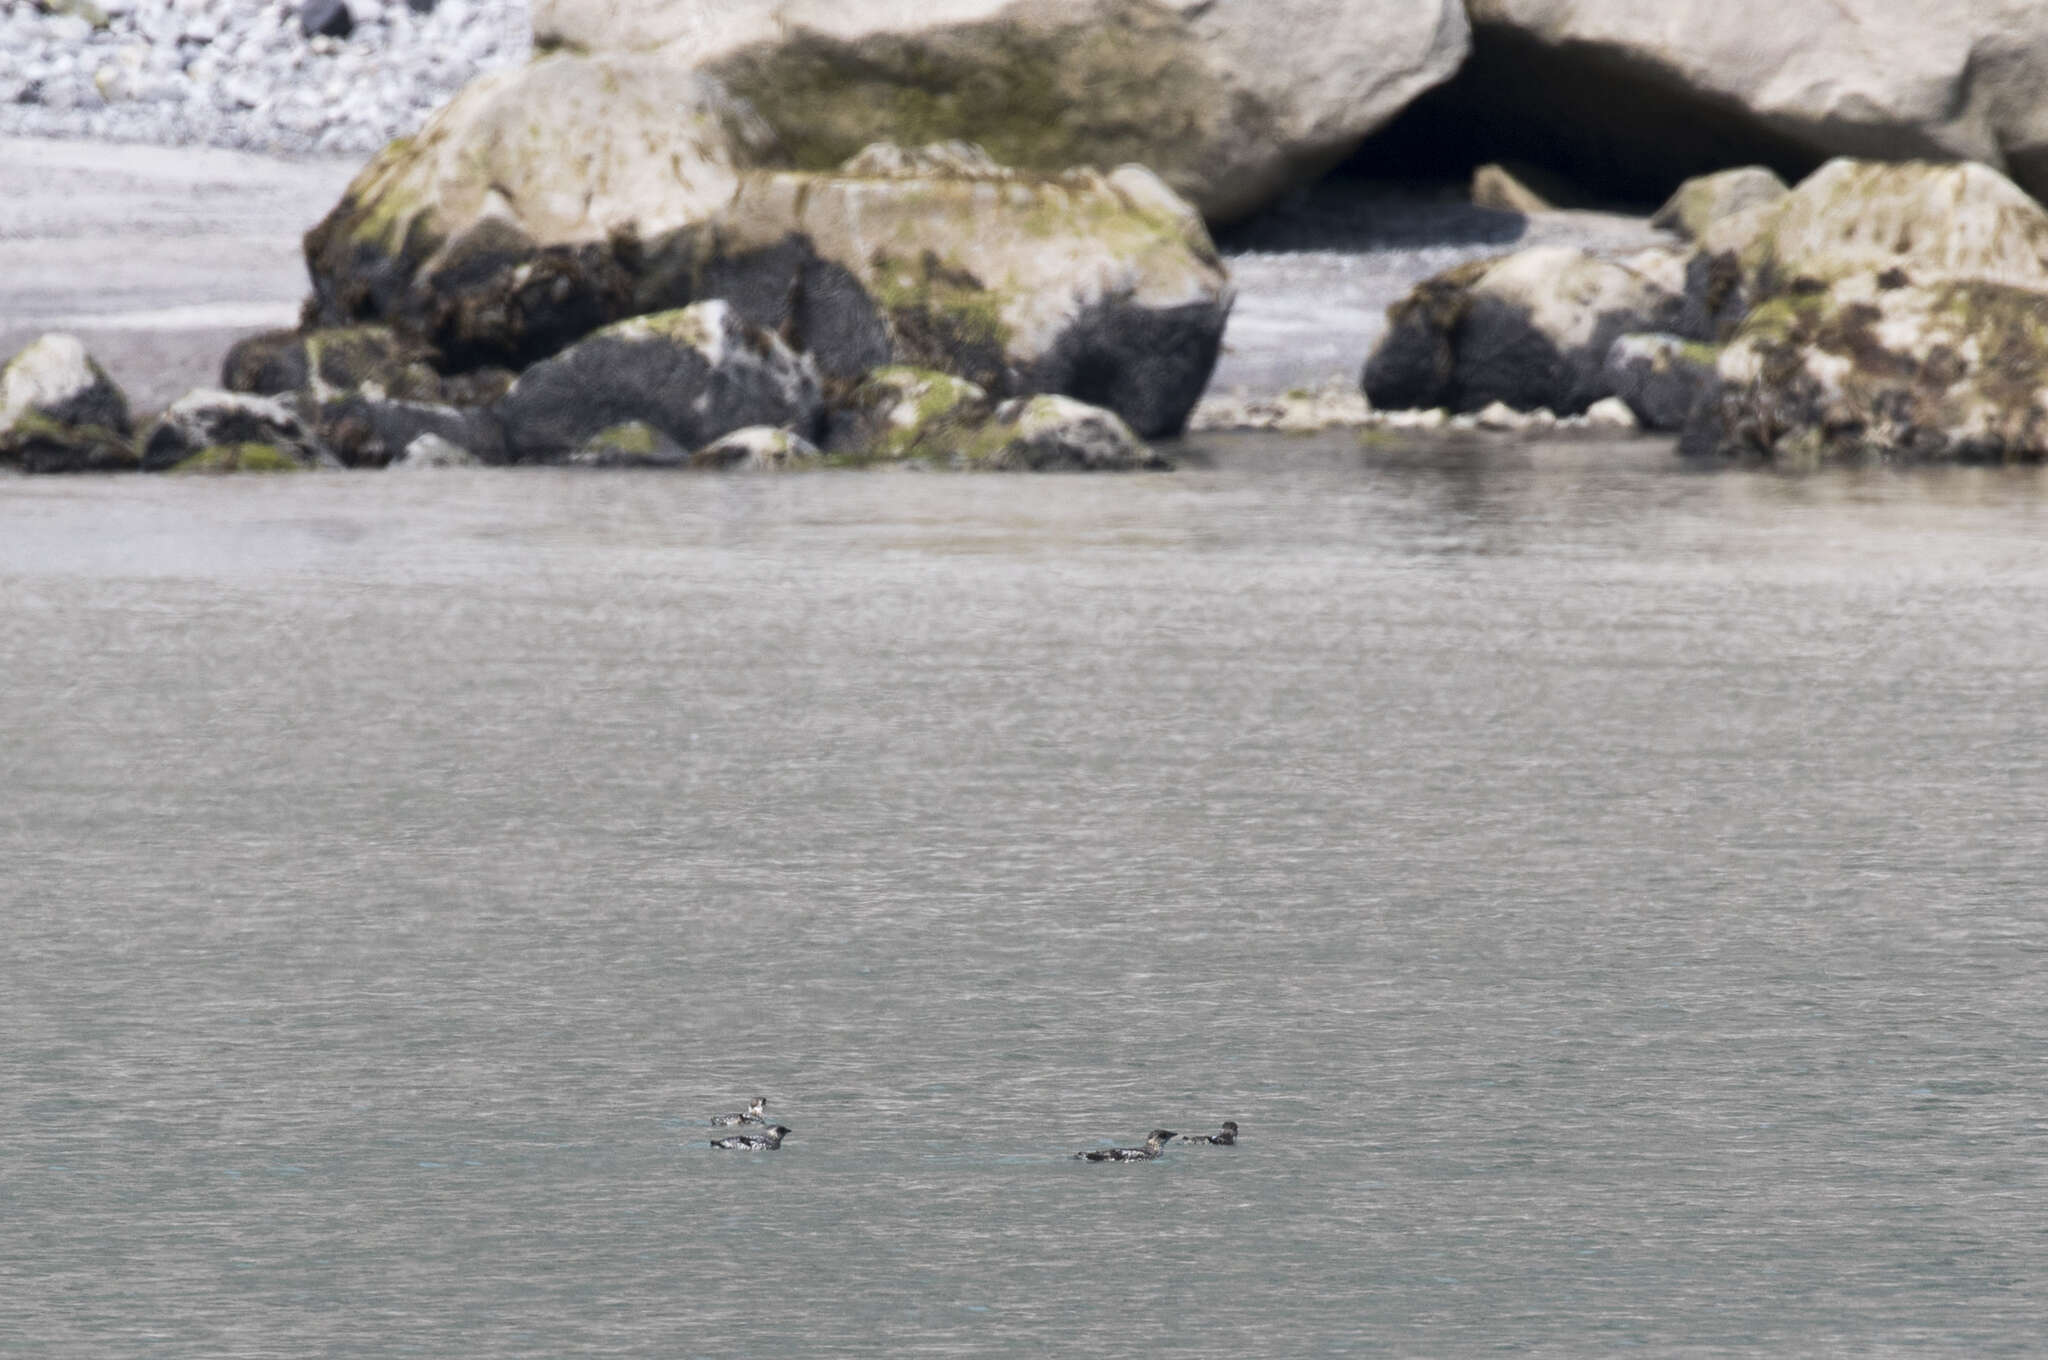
pixel 671 239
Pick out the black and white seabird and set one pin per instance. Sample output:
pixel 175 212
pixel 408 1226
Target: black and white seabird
pixel 753 1142
pixel 1155 1143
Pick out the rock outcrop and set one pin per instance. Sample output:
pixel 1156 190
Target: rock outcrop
pixel 1531 330
pixel 692 376
pixel 1954 371
pixel 60 412
pixel 1898 312
pixel 1672 88
pixel 1231 101
pixel 544 204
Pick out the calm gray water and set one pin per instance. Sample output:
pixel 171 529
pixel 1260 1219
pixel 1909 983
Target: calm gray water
pixel 1611 899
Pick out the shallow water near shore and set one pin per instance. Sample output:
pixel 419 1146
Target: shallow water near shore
pixel 1608 895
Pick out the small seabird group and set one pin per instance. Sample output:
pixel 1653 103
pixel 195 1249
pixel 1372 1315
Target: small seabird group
pixel 755 1113
pixel 1156 1141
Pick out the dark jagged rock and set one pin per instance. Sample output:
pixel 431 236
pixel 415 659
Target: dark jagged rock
pixel 326 19
pixel 1663 378
pixel 367 429
pixel 694 375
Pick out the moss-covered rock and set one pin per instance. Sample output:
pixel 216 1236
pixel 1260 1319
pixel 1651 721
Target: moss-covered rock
pixel 1231 101
pixel 631 443
pixel 1872 369
pixel 1531 330
pixel 35 443
pixel 538 205
pixel 692 375
pixel 248 456
pixel 60 412
pixel 1057 434
pixel 901 413
pixel 328 363
pixel 207 419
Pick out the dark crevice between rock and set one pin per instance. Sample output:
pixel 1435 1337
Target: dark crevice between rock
pixel 1622 134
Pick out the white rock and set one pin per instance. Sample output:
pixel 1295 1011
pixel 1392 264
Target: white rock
pixel 1610 413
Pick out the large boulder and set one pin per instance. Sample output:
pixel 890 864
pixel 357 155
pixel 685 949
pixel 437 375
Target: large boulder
pixel 539 204
pixel 1655 90
pixel 1872 368
pixel 60 412
pixel 1531 330
pixel 1230 100
pixel 1104 288
pixel 1857 217
pixel 692 375
pixel 546 202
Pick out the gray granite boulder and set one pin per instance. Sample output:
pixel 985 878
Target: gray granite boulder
pixel 1231 101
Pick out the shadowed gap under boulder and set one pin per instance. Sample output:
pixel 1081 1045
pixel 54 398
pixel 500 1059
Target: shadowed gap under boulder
pixel 1612 128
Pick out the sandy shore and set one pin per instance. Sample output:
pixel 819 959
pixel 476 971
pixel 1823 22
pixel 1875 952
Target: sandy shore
pixel 159 258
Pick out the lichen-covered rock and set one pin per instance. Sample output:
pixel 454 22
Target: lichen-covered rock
pixel 758 448
pixel 209 418
pixel 1646 84
pixel 60 412
pixel 329 363
pixel 501 235
pixel 1056 434
pixel 693 375
pixel 1872 369
pixel 1862 217
pixel 1702 201
pixel 1531 330
pixel 1661 377
pixel 1231 101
